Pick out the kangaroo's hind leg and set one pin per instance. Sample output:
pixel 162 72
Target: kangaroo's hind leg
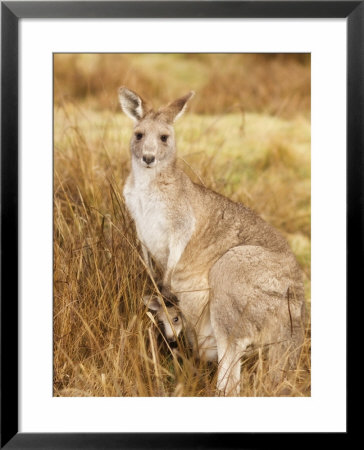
pixel 248 304
pixel 228 376
pixel 229 368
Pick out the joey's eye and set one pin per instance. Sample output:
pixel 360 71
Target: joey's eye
pixel 175 319
pixel 138 136
pixel 164 138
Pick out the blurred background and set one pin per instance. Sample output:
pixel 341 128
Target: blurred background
pixel 246 134
pixel 275 84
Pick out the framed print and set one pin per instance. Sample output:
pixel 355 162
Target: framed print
pixel 141 303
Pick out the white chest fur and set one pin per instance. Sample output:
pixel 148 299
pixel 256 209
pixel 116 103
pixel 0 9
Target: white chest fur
pixel 148 210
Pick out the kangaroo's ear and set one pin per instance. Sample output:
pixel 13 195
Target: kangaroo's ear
pixel 153 302
pixel 175 109
pixel 132 105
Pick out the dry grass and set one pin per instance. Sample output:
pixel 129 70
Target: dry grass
pixel 105 342
pixel 275 84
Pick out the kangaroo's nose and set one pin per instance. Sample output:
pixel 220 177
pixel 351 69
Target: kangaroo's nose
pixel 172 343
pixel 148 159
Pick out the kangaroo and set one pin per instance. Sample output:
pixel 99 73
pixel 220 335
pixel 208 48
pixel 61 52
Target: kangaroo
pixel 168 314
pixel 237 281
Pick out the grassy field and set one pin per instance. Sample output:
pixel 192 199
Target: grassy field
pixel 105 341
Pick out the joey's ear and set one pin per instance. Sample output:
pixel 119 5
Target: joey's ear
pixel 132 105
pixel 153 302
pixel 175 109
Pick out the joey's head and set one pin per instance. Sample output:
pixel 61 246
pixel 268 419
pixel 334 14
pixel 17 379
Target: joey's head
pixel 168 315
pixel 153 143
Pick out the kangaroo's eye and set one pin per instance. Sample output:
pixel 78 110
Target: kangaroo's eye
pixel 175 319
pixel 164 138
pixel 138 136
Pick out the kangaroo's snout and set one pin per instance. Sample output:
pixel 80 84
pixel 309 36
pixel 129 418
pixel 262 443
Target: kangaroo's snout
pixel 172 343
pixel 148 159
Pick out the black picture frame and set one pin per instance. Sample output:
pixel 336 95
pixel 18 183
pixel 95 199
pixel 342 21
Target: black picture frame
pixel 11 12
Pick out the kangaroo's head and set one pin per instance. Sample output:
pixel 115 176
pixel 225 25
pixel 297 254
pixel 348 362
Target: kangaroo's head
pixel 169 316
pixel 152 144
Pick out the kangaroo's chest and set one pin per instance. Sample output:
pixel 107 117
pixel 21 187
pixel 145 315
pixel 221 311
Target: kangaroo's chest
pixel 149 212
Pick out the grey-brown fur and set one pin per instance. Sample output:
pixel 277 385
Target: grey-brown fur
pixel 236 279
